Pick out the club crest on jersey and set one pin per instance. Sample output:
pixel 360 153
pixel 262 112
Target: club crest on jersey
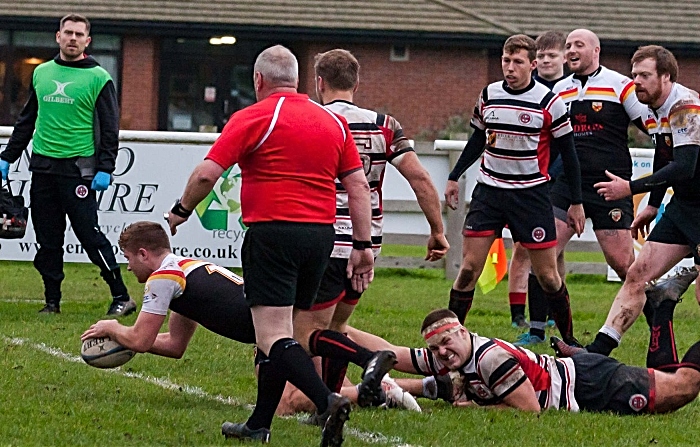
pixel 81 191
pixel 491 139
pixel 638 402
pixel 667 140
pixel 538 234
pixel 525 118
pixel 482 390
pixel 615 214
pixel 597 106
pixel 697 249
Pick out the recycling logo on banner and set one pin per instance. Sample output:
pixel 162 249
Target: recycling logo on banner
pixel 224 199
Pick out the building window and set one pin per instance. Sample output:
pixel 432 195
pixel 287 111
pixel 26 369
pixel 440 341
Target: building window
pixel 399 53
pixel 202 84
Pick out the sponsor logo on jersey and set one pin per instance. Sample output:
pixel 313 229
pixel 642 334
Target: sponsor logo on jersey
pixel 597 106
pixel 491 116
pixel 615 214
pixel 638 402
pixel 525 118
pixel 81 191
pixel 59 95
pixel 538 234
pixel 581 118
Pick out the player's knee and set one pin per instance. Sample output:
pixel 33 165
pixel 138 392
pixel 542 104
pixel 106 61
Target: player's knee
pixel 465 278
pixel 637 276
pixel 550 282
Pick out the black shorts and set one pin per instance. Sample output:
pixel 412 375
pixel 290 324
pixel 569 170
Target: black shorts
pixel 527 212
pixel 679 225
pixel 614 215
pixel 335 286
pixel 604 384
pixel 283 262
pixel 216 303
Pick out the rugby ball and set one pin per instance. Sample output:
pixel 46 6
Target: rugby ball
pixel 103 352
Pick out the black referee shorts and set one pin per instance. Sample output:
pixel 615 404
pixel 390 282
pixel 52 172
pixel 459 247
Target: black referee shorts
pixel 283 262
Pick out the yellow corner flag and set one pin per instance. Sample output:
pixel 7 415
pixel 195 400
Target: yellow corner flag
pixel 495 268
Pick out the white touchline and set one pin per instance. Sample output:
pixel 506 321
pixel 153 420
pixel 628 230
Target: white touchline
pixel 368 437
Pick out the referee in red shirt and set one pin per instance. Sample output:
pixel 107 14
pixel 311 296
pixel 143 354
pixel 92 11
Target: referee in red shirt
pixel 290 151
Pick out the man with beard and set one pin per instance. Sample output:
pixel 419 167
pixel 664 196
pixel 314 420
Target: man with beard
pixel 673 121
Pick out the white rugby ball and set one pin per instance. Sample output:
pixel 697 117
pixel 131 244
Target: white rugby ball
pixel 103 352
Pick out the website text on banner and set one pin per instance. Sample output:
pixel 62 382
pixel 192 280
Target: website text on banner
pixel 148 178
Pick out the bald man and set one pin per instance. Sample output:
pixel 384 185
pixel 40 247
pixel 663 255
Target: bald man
pixel 290 150
pixel 601 104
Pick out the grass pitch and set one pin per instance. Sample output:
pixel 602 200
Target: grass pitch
pixel 48 396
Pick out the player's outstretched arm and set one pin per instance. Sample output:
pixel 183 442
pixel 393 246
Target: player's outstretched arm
pixel 200 183
pixel 139 337
pixel 174 343
pixel 429 201
pixel 375 343
pixel 471 153
pixel 523 398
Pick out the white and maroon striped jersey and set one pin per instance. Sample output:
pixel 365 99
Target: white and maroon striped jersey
pixel 519 126
pixel 677 123
pixel 379 138
pixel 496 368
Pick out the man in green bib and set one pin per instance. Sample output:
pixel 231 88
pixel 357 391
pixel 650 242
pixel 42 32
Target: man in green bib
pixel 72 115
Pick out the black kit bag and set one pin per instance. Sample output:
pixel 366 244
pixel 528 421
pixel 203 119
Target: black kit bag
pixel 13 214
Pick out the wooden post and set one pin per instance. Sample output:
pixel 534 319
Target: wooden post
pixel 455 223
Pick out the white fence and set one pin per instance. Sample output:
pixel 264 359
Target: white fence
pixel 153 167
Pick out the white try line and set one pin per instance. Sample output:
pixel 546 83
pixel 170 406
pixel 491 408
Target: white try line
pixel 368 437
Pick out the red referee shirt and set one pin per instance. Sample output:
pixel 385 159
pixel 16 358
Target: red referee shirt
pixel 290 151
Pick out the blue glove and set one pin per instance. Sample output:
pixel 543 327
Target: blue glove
pixel 101 181
pixel 4 169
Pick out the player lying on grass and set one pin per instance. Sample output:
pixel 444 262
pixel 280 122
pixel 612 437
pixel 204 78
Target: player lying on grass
pixel 197 293
pixel 487 371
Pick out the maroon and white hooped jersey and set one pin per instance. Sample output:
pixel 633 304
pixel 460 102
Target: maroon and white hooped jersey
pixel 496 368
pixel 519 126
pixel 379 139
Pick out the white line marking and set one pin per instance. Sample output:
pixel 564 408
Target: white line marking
pixel 368 437
pixel 163 383
pixel 19 300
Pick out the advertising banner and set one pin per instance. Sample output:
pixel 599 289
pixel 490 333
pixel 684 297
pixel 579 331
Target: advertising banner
pixel 151 172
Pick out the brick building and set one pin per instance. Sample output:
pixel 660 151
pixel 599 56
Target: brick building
pixel 423 61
